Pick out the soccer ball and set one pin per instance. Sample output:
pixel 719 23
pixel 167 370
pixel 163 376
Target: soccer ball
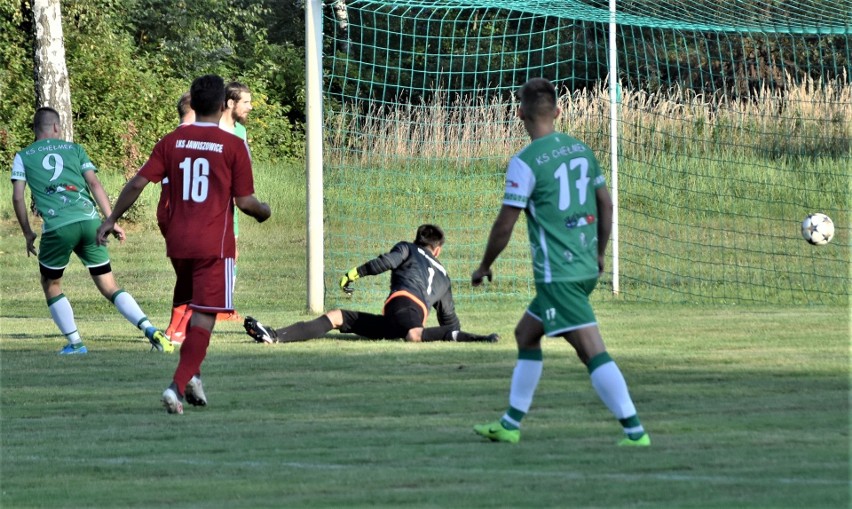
pixel 818 229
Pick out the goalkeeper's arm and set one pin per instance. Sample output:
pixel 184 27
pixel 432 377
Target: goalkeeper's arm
pixel 381 263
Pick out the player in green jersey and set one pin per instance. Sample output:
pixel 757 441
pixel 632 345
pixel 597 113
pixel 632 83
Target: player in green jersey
pixel 557 182
pixel 234 118
pixel 67 193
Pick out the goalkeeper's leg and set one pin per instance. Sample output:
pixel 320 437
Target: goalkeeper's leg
pixel 303 331
pixel 450 333
pixel 363 324
pixel 299 331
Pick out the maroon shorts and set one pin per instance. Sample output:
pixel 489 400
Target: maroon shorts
pixel 211 280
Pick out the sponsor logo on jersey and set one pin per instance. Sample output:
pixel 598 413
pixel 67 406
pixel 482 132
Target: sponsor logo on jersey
pixel 58 188
pixel 578 220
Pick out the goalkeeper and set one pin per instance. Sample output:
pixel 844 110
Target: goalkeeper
pixel 418 283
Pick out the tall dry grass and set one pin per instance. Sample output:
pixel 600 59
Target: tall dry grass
pixel 810 118
pixel 711 190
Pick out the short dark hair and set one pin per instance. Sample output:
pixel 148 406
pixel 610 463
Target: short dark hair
pixel 234 90
pixel 43 118
pixel 183 105
pixel 207 94
pixel 429 235
pixel 538 98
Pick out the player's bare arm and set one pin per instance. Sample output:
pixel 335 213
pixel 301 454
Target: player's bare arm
pixel 253 207
pixel 101 198
pixel 129 194
pixel 20 206
pixel 605 207
pixel 498 239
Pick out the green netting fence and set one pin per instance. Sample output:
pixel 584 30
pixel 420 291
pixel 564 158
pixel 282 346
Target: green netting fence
pixel 734 122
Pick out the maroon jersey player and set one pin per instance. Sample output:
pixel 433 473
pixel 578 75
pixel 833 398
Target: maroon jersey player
pixel 209 170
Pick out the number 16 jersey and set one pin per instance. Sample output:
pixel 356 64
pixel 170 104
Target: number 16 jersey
pixel 554 179
pixel 207 168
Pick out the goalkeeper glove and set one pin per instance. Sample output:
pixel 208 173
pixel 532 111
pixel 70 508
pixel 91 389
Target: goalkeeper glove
pixel 347 280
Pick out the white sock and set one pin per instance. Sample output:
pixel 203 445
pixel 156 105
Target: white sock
pixel 127 306
pixel 63 317
pixel 525 379
pixel 610 385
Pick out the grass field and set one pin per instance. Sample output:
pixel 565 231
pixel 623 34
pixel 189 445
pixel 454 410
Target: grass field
pixel 747 406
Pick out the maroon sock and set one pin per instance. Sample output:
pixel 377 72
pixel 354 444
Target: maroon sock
pixel 192 354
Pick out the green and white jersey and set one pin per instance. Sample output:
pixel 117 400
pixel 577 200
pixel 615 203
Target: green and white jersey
pixel 54 171
pixel 240 130
pixel 554 180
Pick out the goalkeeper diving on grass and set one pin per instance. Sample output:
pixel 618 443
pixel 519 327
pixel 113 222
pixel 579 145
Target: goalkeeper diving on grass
pixel 418 283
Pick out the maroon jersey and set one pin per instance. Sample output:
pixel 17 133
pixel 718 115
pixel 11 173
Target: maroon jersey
pixel 207 168
pixel 163 204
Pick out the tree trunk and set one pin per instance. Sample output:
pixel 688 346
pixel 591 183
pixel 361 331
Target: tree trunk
pixel 52 87
pixel 341 13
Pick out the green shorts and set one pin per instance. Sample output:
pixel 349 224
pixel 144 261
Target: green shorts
pixel 564 306
pixel 56 246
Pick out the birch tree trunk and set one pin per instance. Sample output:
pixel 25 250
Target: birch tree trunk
pixel 52 87
pixel 341 13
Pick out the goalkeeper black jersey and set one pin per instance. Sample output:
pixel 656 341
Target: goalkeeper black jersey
pixel 416 271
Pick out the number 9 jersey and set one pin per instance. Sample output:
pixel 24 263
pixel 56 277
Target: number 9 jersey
pixel 554 179
pixel 54 171
pixel 207 168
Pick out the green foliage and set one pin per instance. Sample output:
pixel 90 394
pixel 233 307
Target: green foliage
pixel 186 39
pixel 130 60
pixel 120 107
pixel 16 86
pixel 196 37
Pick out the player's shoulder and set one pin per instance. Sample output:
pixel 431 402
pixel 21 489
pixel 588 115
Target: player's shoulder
pixel 403 247
pixel 205 132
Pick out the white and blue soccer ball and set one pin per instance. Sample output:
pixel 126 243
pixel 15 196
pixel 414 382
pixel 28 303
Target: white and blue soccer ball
pixel 818 229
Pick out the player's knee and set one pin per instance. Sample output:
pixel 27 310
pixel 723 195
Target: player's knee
pixel 525 340
pixel 51 286
pixel 335 316
pixel 106 284
pixel 414 335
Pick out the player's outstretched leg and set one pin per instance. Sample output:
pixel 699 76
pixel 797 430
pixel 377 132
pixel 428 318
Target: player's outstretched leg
pixel 466 337
pixel 129 308
pixel 299 331
pixel 450 333
pixel 158 340
pixel 259 332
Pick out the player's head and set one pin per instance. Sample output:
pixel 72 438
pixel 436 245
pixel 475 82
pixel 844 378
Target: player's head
pixel 538 101
pixel 207 95
pixel 185 112
pixel 238 101
pixel 431 236
pixel 46 122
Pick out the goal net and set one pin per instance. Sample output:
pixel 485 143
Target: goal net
pixel 734 121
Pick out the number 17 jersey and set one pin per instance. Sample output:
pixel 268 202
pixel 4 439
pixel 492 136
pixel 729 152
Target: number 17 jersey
pixel 554 179
pixel 207 168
